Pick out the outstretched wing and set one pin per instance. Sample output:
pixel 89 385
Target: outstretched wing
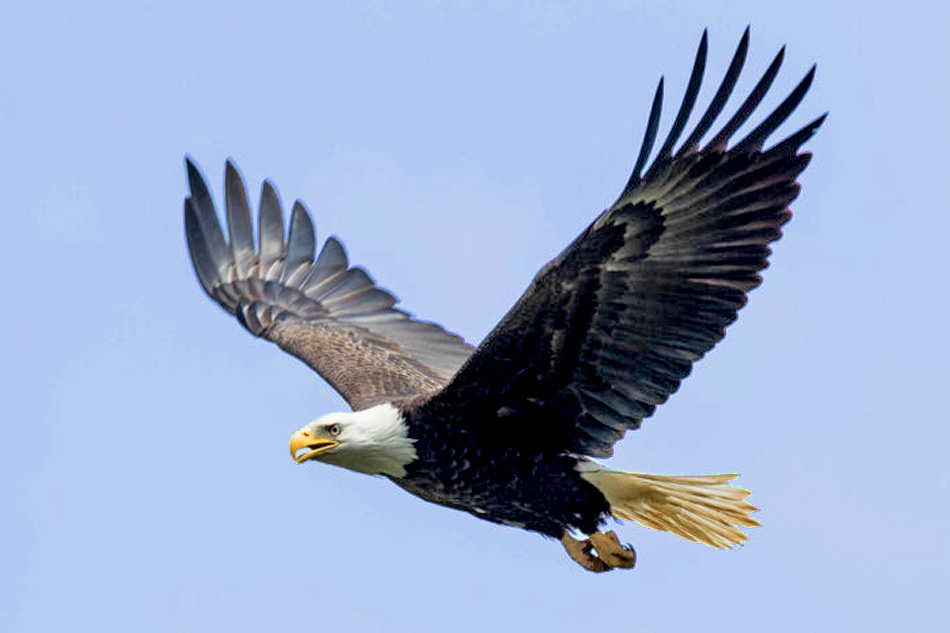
pixel 329 315
pixel 609 328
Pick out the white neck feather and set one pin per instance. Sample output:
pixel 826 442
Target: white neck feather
pixel 374 441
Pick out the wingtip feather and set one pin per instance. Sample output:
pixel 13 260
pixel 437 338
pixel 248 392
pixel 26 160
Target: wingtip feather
pixel 301 241
pixel 206 269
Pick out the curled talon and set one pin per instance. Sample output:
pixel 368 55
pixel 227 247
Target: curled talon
pixel 612 551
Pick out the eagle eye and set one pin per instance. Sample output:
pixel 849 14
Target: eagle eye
pixel 333 429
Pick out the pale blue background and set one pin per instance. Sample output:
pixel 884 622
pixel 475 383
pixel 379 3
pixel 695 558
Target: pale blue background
pixel 144 475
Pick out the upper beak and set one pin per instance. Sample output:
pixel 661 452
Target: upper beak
pixel 303 439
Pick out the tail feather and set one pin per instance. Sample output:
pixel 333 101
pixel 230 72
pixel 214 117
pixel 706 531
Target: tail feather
pixel 702 508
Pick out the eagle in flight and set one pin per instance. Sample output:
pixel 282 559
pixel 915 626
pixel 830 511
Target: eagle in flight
pixel 509 431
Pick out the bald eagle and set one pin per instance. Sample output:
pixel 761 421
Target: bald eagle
pixel 509 431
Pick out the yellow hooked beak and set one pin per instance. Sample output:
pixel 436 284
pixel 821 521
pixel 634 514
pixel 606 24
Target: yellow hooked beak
pixel 304 439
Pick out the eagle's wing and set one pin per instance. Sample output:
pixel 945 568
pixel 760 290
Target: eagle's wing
pixel 329 315
pixel 609 328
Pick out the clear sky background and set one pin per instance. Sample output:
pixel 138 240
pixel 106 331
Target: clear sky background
pixel 455 147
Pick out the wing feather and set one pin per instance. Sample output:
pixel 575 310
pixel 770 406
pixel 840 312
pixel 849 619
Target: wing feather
pixel 649 137
pixel 750 104
pixel 332 317
pixel 239 221
pixel 722 95
pixel 686 108
pixel 271 230
pixel 301 243
pixel 610 328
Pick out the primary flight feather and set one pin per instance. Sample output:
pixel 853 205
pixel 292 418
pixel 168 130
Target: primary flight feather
pixel 508 431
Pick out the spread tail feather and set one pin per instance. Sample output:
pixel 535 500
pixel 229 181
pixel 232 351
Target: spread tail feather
pixel 701 508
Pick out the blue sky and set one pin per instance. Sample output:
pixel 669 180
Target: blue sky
pixel 454 147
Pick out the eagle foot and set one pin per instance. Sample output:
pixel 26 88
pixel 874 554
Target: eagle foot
pixel 612 551
pixel 599 553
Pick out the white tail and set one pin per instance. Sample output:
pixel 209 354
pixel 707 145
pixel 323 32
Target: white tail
pixel 701 508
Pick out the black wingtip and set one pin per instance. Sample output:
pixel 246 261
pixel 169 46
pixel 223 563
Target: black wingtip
pixel 756 139
pixel 686 107
pixel 721 97
pixel 796 140
pixel 649 137
pixel 750 104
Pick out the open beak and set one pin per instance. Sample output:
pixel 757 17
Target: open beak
pixel 303 440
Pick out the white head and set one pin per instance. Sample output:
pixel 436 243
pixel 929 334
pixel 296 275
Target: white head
pixel 374 441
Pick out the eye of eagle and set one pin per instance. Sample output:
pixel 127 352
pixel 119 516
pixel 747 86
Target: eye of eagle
pixel 333 429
